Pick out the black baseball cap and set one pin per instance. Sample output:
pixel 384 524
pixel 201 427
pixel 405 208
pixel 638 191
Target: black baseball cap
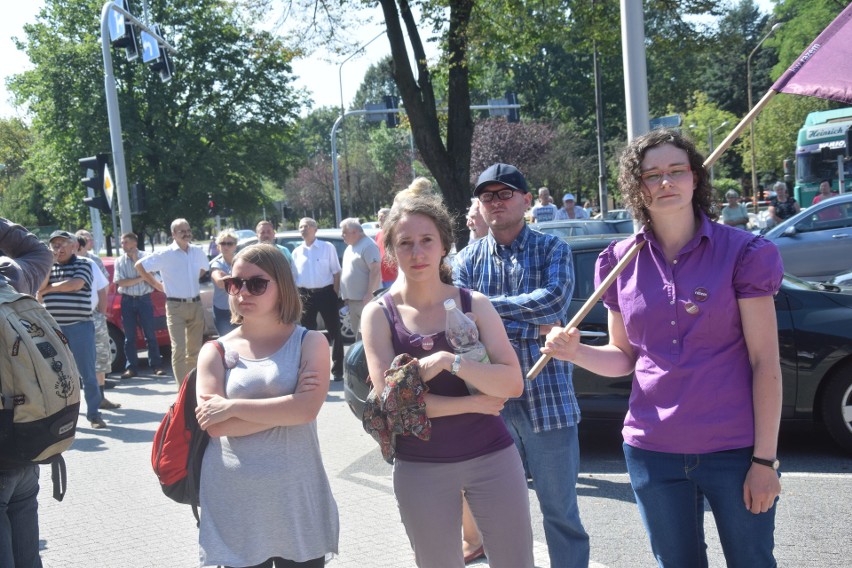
pixel 504 174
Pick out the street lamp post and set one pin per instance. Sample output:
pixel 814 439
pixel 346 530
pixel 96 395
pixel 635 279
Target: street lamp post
pixel 343 111
pixel 751 125
pixel 710 131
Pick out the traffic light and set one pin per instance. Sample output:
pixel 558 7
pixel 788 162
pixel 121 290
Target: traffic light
pixel 392 118
pixel 125 32
pixel 138 199
pixel 94 166
pixel 211 206
pixel 163 63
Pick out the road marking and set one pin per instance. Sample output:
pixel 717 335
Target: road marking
pixel 784 475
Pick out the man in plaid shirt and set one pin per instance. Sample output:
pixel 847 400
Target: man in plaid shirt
pixel 529 279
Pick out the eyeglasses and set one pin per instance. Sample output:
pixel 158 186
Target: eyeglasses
pixel 228 244
pixel 184 231
pixel 255 285
pixel 653 178
pixel 502 195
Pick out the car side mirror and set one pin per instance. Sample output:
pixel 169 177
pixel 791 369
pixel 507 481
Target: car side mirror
pixel 790 231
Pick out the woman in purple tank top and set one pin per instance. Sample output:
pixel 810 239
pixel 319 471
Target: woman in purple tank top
pixel 470 451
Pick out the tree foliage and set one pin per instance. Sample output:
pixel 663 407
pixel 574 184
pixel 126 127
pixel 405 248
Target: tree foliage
pixel 221 124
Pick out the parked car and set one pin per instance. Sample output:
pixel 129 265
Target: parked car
pixel 584 227
pixel 116 328
pixel 814 333
pixel 292 239
pixel 816 243
pixel 243 234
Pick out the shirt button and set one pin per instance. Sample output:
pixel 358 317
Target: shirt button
pixel 673 323
pixel 674 341
pixel 671 303
pixel 674 261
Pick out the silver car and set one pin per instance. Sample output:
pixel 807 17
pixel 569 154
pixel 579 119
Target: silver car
pixel 816 243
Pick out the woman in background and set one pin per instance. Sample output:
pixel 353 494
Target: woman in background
pixel 220 267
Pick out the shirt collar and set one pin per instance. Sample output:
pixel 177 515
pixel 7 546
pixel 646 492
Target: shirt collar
pixel 516 246
pixel 704 231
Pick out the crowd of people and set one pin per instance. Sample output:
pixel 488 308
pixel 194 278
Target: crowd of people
pixel 685 318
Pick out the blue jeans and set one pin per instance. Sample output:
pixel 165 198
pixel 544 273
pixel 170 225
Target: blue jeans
pixel 670 491
pixel 222 319
pixel 553 460
pixel 81 341
pixel 19 517
pixel 139 310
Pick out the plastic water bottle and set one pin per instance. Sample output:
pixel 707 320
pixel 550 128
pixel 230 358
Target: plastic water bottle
pixel 463 335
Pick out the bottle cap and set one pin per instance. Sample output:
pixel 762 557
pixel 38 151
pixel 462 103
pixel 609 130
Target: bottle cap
pixel 449 304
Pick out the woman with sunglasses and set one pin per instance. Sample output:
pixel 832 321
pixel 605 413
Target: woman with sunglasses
pixel 470 451
pixel 220 267
pixel 693 318
pixel 265 496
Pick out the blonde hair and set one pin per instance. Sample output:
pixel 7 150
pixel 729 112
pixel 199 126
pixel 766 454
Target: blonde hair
pixel 224 234
pixel 269 259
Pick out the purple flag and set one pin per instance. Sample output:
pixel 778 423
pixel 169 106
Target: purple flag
pixel 824 69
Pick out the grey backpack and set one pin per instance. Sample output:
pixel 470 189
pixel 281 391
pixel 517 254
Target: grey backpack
pixel 39 387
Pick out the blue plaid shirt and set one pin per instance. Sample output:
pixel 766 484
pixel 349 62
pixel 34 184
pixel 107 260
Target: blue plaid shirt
pixel 530 283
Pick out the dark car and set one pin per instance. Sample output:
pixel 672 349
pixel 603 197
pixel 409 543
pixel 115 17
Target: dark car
pixel 814 334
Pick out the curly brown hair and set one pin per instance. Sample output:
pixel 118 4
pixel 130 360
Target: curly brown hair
pixel 630 174
pixel 420 199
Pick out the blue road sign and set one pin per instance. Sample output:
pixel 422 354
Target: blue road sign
pixel 117 29
pixel 150 48
pixel 671 121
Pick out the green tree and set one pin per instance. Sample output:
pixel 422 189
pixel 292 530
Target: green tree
pixel 222 123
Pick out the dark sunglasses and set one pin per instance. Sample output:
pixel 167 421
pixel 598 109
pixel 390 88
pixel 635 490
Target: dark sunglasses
pixel 227 244
pixel 255 285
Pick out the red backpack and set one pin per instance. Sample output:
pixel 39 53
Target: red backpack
pixel 179 445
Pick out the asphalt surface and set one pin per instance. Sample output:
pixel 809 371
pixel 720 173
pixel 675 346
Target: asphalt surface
pixel 115 515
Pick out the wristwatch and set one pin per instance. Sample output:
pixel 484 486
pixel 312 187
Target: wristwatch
pixel 456 365
pixel 774 464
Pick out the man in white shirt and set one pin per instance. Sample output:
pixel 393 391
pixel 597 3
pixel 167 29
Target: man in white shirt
pixel 570 209
pixel 317 272
pixel 362 271
pixel 180 266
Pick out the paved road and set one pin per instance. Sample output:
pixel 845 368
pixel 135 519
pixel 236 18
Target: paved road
pixel 114 514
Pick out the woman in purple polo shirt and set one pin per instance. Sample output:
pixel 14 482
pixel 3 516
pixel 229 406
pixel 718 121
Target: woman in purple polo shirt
pixel 693 317
pixel 470 451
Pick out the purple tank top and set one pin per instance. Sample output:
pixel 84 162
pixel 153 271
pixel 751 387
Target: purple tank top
pixel 454 438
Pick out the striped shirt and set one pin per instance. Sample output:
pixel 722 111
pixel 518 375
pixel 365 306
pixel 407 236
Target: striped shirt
pixel 76 306
pixel 125 269
pixel 530 283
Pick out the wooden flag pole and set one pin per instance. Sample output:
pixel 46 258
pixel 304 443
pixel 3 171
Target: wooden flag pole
pixel 735 133
pixel 578 317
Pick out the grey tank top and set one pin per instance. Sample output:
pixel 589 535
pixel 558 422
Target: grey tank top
pixel 266 494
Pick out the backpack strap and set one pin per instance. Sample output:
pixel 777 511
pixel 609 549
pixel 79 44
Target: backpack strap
pixel 59 477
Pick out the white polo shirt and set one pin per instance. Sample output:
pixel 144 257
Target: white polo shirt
pixel 178 270
pixel 315 266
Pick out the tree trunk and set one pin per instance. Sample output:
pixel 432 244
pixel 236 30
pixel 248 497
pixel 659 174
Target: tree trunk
pixel 450 163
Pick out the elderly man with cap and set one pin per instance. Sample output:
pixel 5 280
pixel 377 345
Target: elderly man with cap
pixel 529 278
pixel 67 296
pixel 570 209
